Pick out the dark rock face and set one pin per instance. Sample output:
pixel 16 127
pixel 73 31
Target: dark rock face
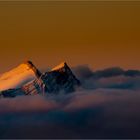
pixel 60 79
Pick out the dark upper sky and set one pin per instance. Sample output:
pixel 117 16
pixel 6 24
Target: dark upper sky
pixel 101 34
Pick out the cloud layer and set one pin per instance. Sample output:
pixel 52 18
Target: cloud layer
pixel 101 113
pixel 105 107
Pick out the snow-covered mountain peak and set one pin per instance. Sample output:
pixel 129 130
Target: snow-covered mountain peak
pixel 19 75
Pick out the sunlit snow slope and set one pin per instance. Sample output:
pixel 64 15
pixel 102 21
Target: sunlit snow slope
pixel 16 77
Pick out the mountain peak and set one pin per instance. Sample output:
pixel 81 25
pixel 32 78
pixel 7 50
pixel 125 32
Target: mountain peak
pixel 17 76
pixel 60 66
pixel 60 78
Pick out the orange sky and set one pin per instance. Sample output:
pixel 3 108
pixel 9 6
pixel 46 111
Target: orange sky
pixel 100 34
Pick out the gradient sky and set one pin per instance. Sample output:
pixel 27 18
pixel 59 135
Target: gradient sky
pixel 100 34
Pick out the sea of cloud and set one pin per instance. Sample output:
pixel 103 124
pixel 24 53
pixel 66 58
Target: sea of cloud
pixel 105 107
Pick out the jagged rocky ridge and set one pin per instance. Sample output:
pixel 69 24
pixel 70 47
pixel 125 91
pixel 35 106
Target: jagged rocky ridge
pixel 59 79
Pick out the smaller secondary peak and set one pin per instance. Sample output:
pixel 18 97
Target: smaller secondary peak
pixel 60 66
